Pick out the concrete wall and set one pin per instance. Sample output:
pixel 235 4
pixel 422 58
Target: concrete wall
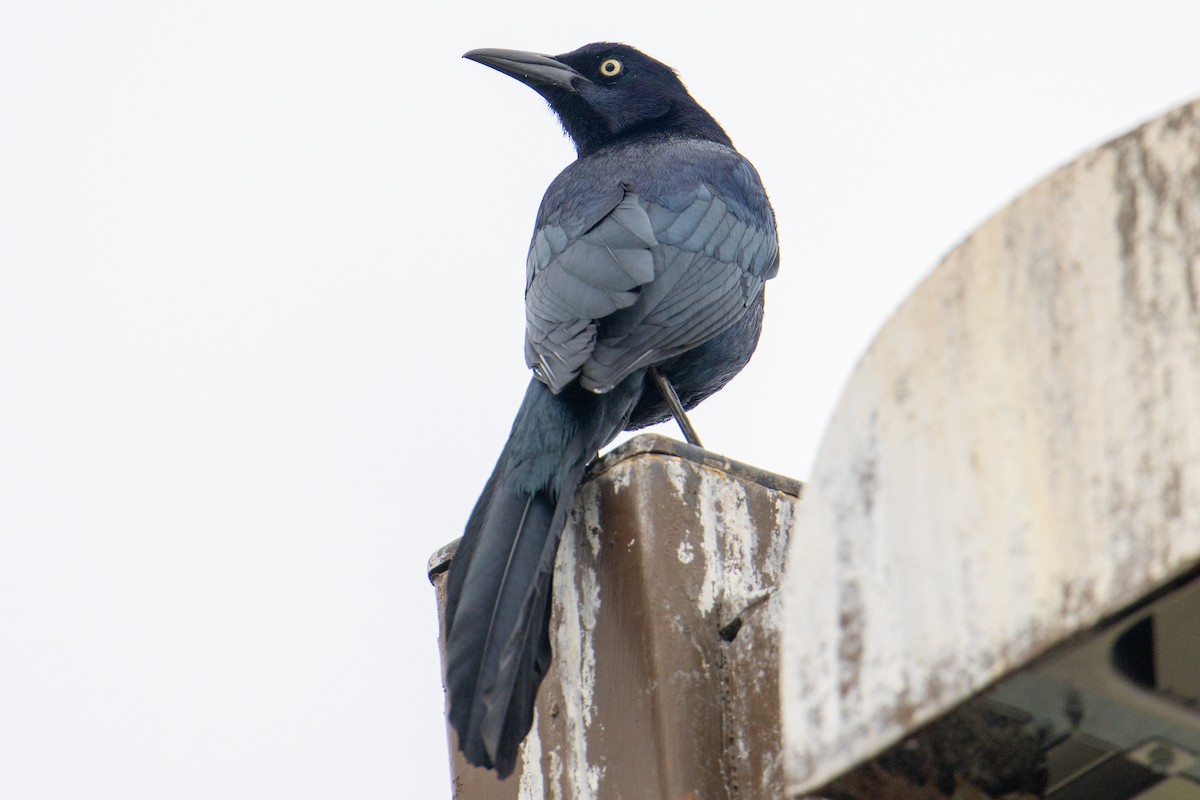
pixel 1016 456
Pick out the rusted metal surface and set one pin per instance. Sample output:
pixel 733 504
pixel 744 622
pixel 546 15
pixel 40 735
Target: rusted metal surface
pixel 1016 457
pixel 665 631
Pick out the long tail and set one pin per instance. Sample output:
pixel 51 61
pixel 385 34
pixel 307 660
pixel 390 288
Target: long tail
pixel 498 590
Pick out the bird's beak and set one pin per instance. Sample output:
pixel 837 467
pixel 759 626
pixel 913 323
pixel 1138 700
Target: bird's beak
pixel 532 69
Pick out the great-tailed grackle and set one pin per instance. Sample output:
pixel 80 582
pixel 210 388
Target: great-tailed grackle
pixel 649 253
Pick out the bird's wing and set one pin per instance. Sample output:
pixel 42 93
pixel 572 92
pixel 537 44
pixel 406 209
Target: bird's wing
pixel 710 265
pixel 644 276
pixel 576 277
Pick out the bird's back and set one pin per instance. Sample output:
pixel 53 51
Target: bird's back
pixel 665 169
pixel 712 242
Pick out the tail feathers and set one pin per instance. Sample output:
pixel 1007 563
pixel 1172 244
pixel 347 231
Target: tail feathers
pixel 491 673
pixel 499 588
pixel 506 713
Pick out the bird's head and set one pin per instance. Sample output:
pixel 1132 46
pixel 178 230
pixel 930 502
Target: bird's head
pixel 606 92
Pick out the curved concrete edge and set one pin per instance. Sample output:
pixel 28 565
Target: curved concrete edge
pixel 1016 456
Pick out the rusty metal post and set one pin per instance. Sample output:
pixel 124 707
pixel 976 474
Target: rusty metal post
pixel 665 633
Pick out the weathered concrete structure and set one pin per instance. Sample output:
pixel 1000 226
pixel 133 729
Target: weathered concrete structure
pixel 1015 459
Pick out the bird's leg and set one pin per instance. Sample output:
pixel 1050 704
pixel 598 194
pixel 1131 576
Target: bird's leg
pixel 668 393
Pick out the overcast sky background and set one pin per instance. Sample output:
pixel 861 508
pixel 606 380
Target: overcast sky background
pixel 261 267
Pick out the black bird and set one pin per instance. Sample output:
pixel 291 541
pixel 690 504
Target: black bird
pixel 648 258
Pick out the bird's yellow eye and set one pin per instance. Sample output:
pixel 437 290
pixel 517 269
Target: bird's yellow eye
pixel 610 68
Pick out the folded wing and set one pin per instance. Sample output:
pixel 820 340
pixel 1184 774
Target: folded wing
pixel 647 281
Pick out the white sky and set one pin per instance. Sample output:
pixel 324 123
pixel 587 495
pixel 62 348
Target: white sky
pixel 261 267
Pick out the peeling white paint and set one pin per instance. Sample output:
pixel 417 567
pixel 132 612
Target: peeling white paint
pixel 619 476
pixel 776 557
pixel 577 601
pixel 677 474
pixel 684 552
pixel 532 785
pixel 728 542
pixel 771 770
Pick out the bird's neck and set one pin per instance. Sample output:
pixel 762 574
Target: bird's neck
pixel 684 120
